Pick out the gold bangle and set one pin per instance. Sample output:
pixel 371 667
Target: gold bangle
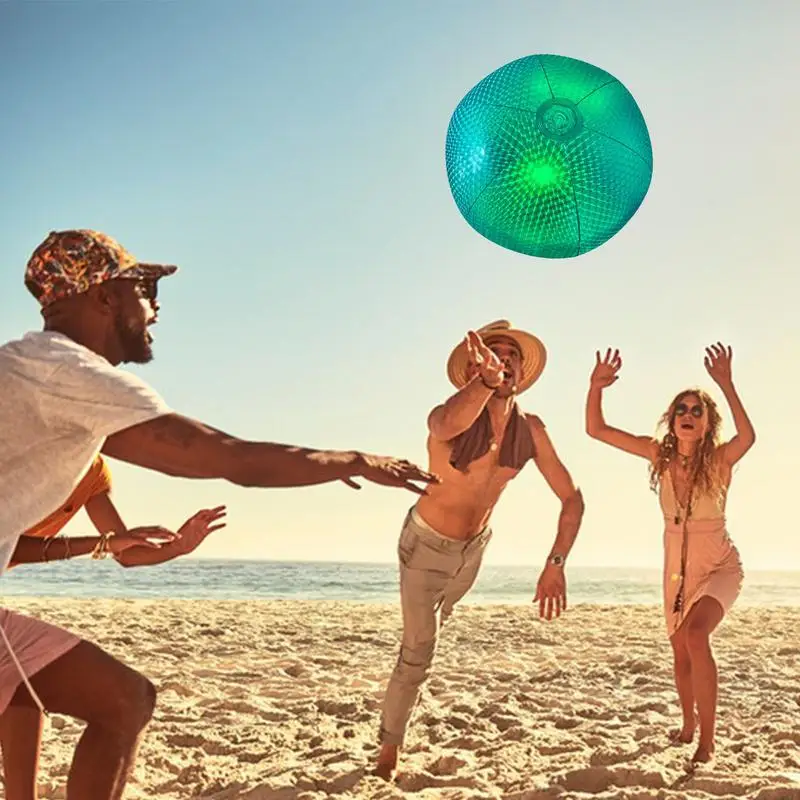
pixel 67 548
pixel 101 548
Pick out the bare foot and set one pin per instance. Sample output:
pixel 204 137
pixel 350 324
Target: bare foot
pixel 682 735
pixel 387 762
pixel 703 754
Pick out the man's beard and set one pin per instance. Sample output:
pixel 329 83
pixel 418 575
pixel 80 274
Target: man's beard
pixel 505 391
pixel 135 344
pixel 507 388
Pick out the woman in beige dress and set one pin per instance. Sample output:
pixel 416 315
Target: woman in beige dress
pixel 690 468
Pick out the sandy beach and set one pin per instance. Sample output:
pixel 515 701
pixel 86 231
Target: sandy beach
pixel 278 700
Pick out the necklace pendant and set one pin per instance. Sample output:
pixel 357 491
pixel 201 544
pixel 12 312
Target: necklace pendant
pixel 677 519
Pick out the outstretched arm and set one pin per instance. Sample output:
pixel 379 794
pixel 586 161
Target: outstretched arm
pixel 103 513
pixel 34 550
pixel 718 363
pixel 551 589
pixel 460 410
pixel 560 481
pixel 604 374
pixel 177 445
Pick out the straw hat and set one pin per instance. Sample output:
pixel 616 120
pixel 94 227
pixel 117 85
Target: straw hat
pixel 534 355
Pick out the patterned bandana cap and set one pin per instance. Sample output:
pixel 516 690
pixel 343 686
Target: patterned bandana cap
pixel 70 262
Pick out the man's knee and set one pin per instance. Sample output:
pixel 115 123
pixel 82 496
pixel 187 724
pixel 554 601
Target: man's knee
pixel 145 704
pixel 134 708
pixel 414 662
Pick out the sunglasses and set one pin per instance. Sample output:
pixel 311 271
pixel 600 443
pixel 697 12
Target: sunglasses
pixel 682 408
pixel 147 289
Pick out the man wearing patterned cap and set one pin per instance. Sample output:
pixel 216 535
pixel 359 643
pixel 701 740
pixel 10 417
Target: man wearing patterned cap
pixel 479 440
pixel 63 400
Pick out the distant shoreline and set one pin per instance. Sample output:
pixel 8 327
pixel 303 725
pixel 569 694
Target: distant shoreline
pixel 246 580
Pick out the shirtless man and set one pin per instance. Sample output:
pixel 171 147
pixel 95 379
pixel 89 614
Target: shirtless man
pixel 478 441
pixel 63 399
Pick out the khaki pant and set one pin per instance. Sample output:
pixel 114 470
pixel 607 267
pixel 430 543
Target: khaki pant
pixel 435 573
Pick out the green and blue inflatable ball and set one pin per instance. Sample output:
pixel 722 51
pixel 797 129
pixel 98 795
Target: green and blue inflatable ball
pixel 548 156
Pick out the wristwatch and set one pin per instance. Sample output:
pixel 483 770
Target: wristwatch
pixel 556 560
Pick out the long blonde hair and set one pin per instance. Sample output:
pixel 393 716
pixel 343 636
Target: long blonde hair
pixel 704 468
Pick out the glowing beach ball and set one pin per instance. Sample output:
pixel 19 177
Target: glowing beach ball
pixel 548 156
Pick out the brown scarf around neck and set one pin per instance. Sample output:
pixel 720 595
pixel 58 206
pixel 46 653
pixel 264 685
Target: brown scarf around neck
pixel 517 447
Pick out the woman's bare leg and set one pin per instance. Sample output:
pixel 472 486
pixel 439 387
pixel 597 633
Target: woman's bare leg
pixel 700 622
pixel 682 666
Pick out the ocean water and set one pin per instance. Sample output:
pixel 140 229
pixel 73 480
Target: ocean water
pixel 374 583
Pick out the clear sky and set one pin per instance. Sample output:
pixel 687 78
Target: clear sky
pixel 290 158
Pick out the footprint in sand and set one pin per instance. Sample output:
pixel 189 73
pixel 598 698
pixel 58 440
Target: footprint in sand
pixel 567 723
pixel 608 755
pixel 652 705
pixel 777 793
pixel 780 736
pixel 447 765
pixel 338 708
pixel 417 781
pixel 240 707
pixel 504 721
pixel 515 734
pixel 177 687
pixel 642 665
pixel 558 749
pixel 458 722
pixel 465 743
pixel 340 783
pixel 594 780
pixel 218 748
pixel 185 740
pixel 335 758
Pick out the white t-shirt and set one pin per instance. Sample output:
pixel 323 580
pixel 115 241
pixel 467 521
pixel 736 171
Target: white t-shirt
pixel 58 403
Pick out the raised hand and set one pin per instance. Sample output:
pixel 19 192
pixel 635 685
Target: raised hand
pixel 718 363
pixel 606 368
pixel 391 472
pixel 194 531
pixel 490 367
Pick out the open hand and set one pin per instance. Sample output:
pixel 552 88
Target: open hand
pixel 490 367
pixel 718 363
pixel 152 536
pixel 606 368
pixel 389 471
pixel 551 591
pixel 194 531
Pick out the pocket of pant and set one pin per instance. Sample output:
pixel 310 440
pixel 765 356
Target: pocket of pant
pixel 406 546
